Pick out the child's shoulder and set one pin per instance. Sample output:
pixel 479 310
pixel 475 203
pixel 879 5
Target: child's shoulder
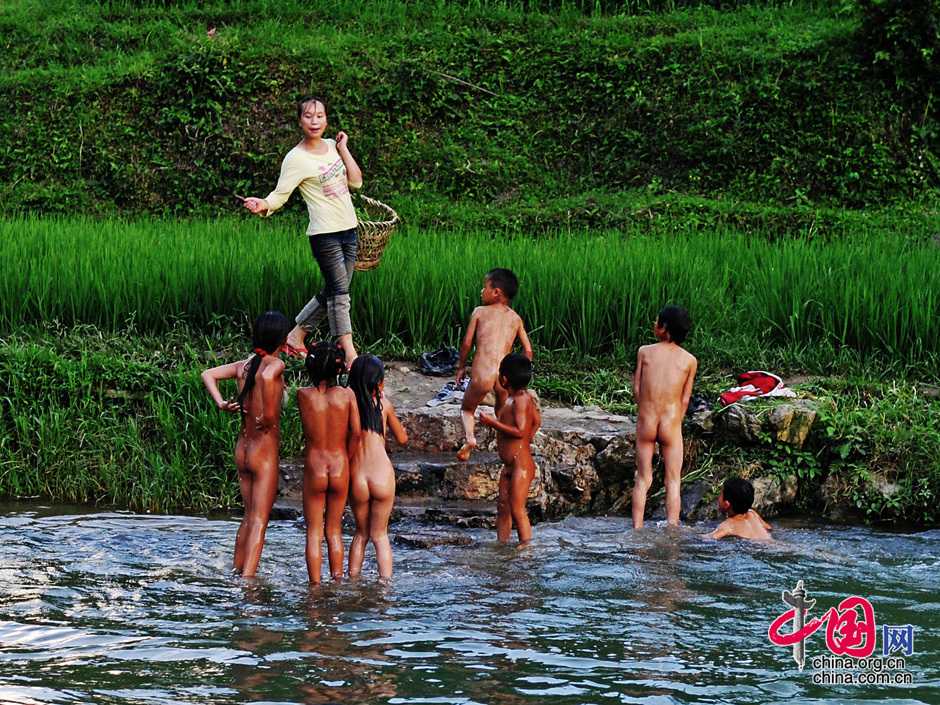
pixel 274 369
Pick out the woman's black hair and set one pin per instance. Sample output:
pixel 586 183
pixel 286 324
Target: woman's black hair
pixel 310 99
pixel 268 334
pixel 325 362
pixel 366 374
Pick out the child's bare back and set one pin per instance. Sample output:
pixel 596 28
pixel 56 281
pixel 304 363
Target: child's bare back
pixel 327 419
pixel 749 526
pixel 663 376
pixel 493 328
pixel 496 328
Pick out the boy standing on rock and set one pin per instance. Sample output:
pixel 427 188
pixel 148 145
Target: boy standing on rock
pixel 494 327
pixel 662 386
pixel 518 420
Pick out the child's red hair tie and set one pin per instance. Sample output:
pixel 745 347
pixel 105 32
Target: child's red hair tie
pixel 261 353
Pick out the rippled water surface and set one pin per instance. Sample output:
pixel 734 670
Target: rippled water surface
pixel 121 608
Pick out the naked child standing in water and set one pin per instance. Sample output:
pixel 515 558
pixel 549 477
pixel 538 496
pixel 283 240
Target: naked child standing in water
pixel 662 386
pixel 494 327
pixel 516 425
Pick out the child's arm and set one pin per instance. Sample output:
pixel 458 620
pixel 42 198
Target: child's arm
pixel 720 532
pixel 353 172
pixel 687 390
pixel 270 385
pixel 465 347
pixel 393 423
pixel 211 378
pixel 519 413
pixel 354 432
pixel 524 340
pixel 638 375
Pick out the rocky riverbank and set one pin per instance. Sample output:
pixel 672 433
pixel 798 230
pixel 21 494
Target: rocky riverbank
pixel 585 458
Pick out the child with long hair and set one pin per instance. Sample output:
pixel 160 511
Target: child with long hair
pixel 260 380
pixel 372 483
pixel 330 418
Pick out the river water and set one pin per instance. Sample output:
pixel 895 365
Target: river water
pixel 124 608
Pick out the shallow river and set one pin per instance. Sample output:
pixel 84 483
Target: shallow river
pixel 123 608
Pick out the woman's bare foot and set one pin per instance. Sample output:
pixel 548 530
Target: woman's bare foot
pixel 466 449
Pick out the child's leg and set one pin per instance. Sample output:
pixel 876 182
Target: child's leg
pixel 645 446
pixel 335 506
pixel 523 473
pixel 379 513
pixel 670 447
pixel 244 481
pixel 360 507
pixel 263 492
pixel 501 395
pixel 503 509
pixel 478 389
pixel 315 485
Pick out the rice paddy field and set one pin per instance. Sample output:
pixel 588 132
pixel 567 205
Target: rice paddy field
pixel 874 294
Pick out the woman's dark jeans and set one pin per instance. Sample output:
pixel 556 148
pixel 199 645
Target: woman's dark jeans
pixel 336 255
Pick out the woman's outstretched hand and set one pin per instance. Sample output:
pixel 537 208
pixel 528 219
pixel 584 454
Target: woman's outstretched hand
pixel 256 205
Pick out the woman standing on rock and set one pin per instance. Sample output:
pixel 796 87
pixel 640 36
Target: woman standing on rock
pixel 325 171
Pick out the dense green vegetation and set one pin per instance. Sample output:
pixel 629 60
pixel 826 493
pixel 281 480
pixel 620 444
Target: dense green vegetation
pixel 502 105
pixel 773 165
pixel 876 293
pixel 90 416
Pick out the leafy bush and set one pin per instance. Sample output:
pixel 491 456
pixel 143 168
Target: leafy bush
pixel 489 104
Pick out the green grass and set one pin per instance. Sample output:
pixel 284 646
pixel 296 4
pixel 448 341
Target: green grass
pixel 122 419
pixel 871 296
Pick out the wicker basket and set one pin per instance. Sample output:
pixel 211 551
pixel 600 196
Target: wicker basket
pixel 374 234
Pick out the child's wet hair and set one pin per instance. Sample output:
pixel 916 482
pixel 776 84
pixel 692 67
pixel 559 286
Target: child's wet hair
pixel 739 493
pixel 365 376
pixel 517 369
pixel 325 362
pixel 267 334
pixel 677 322
pixel 505 280
pixel 306 100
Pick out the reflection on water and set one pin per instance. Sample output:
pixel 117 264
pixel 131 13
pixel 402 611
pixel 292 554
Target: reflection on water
pixel 121 608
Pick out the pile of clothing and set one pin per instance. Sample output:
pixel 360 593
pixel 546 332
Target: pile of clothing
pixel 756 384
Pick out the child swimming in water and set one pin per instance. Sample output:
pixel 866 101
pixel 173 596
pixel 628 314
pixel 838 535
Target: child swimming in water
pixel 518 420
pixel 330 419
pixel 372 483
pixel 494 327
pixel 735 500
pixel 260 380
pixel 662 386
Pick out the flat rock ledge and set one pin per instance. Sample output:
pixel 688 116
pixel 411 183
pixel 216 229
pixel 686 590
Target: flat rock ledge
pixel 585 458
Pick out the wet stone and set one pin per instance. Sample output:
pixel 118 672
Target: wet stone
pixel 432 540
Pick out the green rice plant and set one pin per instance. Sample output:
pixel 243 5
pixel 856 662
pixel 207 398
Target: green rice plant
pixel 580 291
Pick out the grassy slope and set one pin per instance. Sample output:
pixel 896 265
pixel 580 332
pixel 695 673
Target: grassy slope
pixel 588 119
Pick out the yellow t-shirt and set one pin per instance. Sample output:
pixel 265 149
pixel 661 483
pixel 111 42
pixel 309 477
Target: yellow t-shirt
pixel 322 182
